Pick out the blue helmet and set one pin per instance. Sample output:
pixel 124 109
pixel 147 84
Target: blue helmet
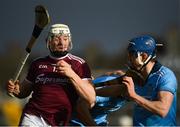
pixel 144 43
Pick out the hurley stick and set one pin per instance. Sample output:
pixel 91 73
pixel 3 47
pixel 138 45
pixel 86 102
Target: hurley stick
pixel 41 20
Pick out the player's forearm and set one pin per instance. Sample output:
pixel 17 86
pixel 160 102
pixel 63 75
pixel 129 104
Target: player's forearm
pixel 156 107
pixel 84 89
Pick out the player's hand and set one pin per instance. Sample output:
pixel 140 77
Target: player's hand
pixel 64 68
pixel 128 81
pixel 13 87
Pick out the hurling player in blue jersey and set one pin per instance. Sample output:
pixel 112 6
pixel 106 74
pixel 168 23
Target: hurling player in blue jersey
pixel 155 99
pixel 99 113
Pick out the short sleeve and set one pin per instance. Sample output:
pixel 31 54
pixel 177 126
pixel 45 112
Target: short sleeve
pixel 168 82
pixel 84 71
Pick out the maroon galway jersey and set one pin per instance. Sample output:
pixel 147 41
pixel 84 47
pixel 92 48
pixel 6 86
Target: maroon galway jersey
pixel 53 94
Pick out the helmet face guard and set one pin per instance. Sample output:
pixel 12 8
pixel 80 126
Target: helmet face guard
pixel 142 44
pixel 59 29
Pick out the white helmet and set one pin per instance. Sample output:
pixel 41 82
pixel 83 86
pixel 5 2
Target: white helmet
pixel 59 29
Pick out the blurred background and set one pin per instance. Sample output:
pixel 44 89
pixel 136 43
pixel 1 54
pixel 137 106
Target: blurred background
pixel 100 32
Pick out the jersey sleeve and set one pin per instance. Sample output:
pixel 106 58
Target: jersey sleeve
pixel 168 82
pixel 84 71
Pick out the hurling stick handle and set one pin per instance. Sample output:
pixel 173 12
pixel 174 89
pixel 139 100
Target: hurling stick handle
pixel 19 70
pixel 35 34
pixel 24 59
pixel 31 42
pixel 41 20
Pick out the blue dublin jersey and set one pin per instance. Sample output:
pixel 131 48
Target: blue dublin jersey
pixel 160 79
pixel 103 106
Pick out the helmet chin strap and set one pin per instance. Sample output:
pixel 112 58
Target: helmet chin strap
pixel 57 54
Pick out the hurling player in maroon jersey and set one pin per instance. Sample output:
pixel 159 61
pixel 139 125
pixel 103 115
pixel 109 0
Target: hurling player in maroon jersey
pixel 56 82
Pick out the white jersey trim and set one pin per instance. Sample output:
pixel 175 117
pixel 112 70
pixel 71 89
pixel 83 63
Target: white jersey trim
pixel 87 79
pixel 80 60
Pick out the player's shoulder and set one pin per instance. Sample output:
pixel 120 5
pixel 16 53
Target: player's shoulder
pixel 165 76
pixel 163 71
pixel 39 59
pixel 167 80
pixel 76 58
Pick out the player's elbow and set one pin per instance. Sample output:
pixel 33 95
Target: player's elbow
pixel 163 112
pixel 92 100
pixel 92 104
